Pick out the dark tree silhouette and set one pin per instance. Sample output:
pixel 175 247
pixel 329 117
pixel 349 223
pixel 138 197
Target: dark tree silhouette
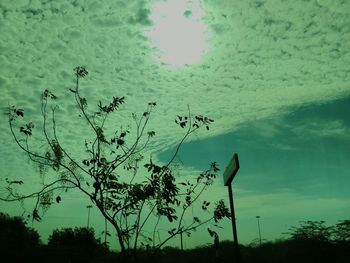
pixel 75 245
pixel 341 231
pixel 310 241
pixel 311 230
pixel 17 241
pixel 114 175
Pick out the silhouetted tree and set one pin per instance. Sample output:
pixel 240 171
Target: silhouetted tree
pixel 341 231
pixel 18 242
pixel 75 245
pixel 311 230
pixel 111 174
pixel 311 241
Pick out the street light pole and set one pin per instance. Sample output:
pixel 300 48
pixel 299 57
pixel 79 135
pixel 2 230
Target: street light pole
pixel 105 231
pixel 88 220
pixel 181 241
pixel 258 218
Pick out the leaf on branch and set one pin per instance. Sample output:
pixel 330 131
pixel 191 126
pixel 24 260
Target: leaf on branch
pixel 96 185
pixel 58 199
pixel 49 94
pixel 27 129
pixel 148 166
pixel 117 101
pixel 57 153
pixel 182 121
pixel 151 134
pixel 211 232
pixel 196 219
pixel 172 231
pixel 205 205
pixel 81 72
pixel 72 90
pixel 214 166
pixel 83 103
pixel 157 169
pixel 202 121
pixel 14 182
pixel 188 200
pixel 19 112
pixel 221 211
pixel 100 135
pixel 120 142
pixel 36 216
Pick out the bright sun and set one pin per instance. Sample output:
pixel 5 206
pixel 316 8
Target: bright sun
pixel 179 32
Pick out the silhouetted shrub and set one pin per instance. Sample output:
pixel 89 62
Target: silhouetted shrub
pixel 18 242
pixel 311 230
pixel 341 231
pixel 75 245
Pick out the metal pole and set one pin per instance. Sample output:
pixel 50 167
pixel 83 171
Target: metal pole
pixel 258 217
pixel 182 247
pixel 88 221
pixel 181 240
pixel 106 231
pixel 233 220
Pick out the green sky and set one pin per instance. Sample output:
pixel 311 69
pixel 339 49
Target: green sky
pixel 274 75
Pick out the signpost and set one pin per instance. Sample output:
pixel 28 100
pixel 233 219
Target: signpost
pixel 229 174
pixel 231 170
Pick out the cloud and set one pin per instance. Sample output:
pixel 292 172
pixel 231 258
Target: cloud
pixel 264 59
pixel 320 128
pixel 8 4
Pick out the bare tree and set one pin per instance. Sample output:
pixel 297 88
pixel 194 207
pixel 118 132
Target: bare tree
pixel 125 188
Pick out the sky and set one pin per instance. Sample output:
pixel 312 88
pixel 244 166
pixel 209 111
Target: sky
pixel 273 74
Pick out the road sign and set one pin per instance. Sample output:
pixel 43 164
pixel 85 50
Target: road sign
pixel 229 174
pixel 231 170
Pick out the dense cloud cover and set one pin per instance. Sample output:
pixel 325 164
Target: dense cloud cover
pixel 264 59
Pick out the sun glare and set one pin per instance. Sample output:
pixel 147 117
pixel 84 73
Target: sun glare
pixel 178 32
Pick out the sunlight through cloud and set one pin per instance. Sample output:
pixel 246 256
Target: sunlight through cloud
pixel 179 32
